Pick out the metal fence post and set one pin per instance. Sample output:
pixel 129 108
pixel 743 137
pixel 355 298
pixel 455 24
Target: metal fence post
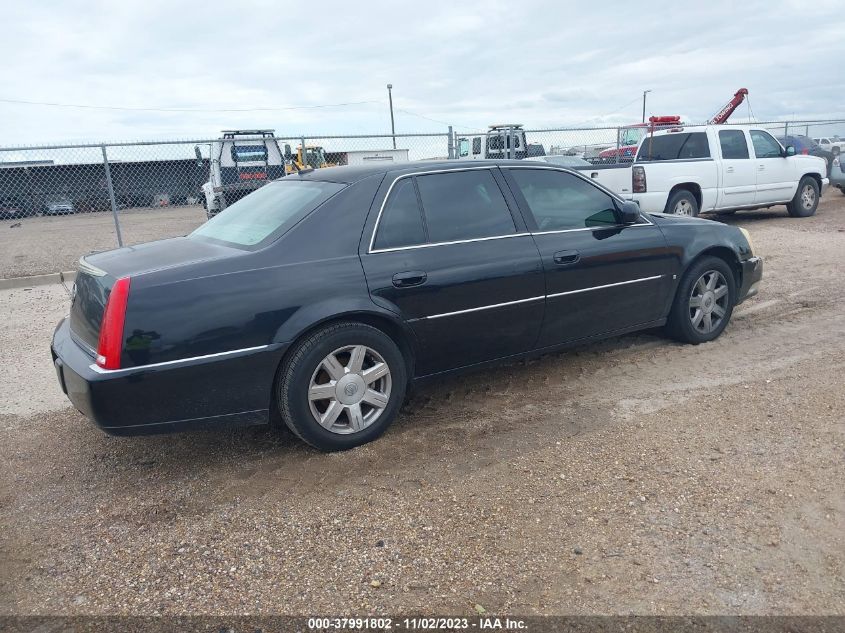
pixel 111 196
pixel 618 143
pixel 451 149
pixel 786 129
pixel 304 154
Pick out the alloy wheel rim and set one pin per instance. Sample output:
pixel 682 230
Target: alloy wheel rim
pixel 683 207
pixel 808 197
pixel 708 302
pixel 350 389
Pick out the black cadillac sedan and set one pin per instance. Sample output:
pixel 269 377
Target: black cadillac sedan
pixel 318 299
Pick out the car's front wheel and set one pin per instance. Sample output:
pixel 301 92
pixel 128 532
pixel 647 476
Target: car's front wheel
pixel 342 386
pixel 704 302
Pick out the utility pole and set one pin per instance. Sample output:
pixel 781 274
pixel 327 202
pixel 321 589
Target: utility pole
pixel 645 92
pixel 392 126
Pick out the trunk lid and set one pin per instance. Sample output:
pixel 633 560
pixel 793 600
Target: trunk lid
pixel 98 273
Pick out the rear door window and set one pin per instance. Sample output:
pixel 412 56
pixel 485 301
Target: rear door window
pixel 401 221
pixel 674 146
pixel 733 144
pixel 464 205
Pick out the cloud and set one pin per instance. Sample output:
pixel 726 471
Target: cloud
pixel 542 63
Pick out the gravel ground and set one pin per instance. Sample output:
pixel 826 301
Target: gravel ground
pixel 52 244
pixel 635 475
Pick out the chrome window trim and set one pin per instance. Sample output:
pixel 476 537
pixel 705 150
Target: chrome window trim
pixel 618 283
pixel 178 361
pixel 595 228
pixel 371 249
pixel 430 244
pixel 529 299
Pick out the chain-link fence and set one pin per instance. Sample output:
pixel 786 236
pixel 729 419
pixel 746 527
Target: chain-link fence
pixel 60 202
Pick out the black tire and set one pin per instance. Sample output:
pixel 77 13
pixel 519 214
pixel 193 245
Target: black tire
pixel 682 199
pixel 305 361
pixel 681 325
pixel 806 199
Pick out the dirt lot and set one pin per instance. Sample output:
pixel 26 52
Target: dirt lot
pixel 52 244
pixel 632 476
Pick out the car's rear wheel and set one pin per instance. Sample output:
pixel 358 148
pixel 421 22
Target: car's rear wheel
pixel 704 302
pixel 682 202
pixel 806 199
pixel 342 386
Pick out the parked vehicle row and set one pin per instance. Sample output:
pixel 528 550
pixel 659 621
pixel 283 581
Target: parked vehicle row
pixel 716 169
pixel 834 145
pixel 837 174
pixel 264 314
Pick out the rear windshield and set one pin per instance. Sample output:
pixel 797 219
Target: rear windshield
pixel 249 153
pixel 267 213
pixel 674 146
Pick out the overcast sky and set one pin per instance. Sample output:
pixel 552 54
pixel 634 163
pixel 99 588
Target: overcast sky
pixel 469 63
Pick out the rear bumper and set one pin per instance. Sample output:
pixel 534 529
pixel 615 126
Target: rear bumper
pixel 752 274
pixel 205 392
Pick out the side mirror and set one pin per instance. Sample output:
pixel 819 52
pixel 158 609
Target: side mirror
pixel 288 152
pixel 629 213
pixel 790 151
pixel 199 155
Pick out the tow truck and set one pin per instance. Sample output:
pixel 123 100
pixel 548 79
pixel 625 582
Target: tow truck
pixel 240 162
pixel 633 134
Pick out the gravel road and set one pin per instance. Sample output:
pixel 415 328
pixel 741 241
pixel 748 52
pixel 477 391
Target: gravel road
pixel 41 245
pixel 635 475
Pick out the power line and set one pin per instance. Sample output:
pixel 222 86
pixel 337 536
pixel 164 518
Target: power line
pixel 427 118
pixel 139 109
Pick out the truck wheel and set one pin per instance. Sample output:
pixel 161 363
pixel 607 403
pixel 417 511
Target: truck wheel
pixel 703 302
pixel 806 199
pixel 682 202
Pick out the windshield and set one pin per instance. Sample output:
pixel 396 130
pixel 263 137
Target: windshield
pixel 631 136
pixel 249 153
pixel 267 213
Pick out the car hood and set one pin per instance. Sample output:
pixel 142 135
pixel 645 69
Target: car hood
pixel 668 218
pixel 810 161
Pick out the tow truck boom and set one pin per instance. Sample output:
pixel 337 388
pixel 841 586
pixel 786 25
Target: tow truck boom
pixel 725 113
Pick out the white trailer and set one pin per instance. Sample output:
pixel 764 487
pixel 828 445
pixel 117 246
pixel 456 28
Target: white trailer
pixel 367 157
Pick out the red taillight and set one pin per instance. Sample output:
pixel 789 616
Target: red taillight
pixel 638 184
pixel 111 330
pixel 805 151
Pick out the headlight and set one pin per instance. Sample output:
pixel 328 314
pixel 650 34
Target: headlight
pixel 747 238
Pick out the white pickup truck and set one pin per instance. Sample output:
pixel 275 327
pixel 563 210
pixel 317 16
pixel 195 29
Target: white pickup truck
pixel 718 169
pixel 833 145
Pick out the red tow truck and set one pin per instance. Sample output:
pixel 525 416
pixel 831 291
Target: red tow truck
pixel 633 134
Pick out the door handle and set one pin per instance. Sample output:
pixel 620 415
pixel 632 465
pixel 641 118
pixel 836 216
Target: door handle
pixel 761 168
pixel 409 279
pixel 730 170
pixel 566 257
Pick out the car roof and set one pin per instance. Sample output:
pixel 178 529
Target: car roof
pixel 350 174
